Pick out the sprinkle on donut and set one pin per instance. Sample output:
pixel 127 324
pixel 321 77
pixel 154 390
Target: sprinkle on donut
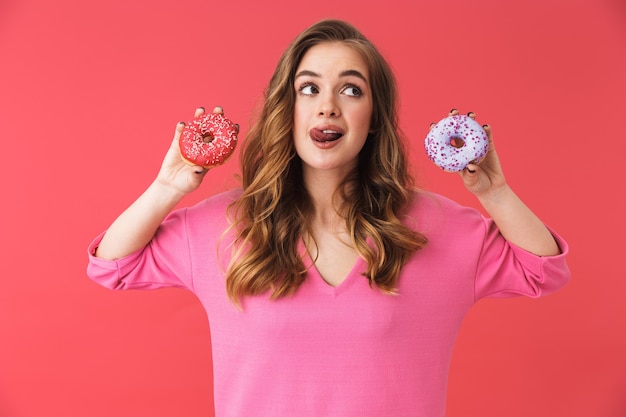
pixel 208 140
pixel 455 142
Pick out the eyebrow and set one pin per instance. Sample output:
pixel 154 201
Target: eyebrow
pixel 346 73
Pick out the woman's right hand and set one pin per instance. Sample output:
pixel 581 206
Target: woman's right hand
pixel 177 174
pixel 135 227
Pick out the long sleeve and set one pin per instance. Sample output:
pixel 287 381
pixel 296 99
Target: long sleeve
pixel 505 270
pixel 164 262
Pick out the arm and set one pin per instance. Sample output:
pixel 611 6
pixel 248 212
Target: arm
pixel 516 222
pixel 136 226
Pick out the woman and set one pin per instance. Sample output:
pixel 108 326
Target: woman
pixel 332 287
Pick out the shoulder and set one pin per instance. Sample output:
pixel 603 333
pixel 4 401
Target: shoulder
pixel 211 212
pixel 217 203
pixel 427 203
pixel 430 213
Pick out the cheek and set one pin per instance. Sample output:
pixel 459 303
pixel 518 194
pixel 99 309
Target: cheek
pixel 364 118
pixel 298 115
pixel 299 130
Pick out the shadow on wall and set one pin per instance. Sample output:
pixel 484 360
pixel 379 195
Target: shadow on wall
pixel 6 7
pixel 5 409
pixel 618 9
pixel 618 409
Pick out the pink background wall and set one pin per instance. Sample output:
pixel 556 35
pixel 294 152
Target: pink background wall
pixel 90 93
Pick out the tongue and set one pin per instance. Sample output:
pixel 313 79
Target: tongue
pixel 320 136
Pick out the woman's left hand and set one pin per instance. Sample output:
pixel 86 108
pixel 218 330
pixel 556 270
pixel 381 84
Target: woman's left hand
pixel 516 222
pixel 486 176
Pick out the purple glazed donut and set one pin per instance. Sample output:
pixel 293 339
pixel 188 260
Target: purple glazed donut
pixel 455 142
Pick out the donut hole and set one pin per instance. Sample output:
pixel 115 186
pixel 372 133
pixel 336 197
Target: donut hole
pixel 457 142
pixel 207 137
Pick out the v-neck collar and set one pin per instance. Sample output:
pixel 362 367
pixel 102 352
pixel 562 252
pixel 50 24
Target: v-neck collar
pixel 318 281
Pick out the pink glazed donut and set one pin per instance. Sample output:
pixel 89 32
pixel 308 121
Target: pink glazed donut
pixel 208 140
pixel 455 142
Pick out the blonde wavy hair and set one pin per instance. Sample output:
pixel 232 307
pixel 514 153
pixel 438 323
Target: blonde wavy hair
pixel 272 213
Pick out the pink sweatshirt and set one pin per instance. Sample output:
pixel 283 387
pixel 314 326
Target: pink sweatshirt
pixel 345 351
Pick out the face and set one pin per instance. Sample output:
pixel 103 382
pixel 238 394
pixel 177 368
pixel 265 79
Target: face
pixel 333 108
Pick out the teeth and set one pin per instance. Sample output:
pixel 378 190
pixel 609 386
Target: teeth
pixel 330 131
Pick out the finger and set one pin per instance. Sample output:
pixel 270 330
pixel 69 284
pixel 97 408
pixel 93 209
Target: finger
pixel 199 111
pixel 471 168
pixel 200 170
pixel 180 126
pixel 489 132
pixel 237 128
pixel 218 110
pixel 468 174
pixel 471 115
pixel 431 126
pixel 453 112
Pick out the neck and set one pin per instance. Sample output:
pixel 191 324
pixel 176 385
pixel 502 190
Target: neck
pixel 322 187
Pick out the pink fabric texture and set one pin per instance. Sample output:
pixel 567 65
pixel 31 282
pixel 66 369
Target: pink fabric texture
pixel 345 351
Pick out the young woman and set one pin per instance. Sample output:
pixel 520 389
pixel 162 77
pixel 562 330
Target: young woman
pixel 332 286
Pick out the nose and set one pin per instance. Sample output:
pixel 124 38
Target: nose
pixel 328 106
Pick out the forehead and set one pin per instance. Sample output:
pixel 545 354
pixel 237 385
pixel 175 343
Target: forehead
pixel 331 57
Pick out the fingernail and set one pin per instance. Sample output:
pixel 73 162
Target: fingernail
pixel 471 114
pixel 453 110
pixel 471 171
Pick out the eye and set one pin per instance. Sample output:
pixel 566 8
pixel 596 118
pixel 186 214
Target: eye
pixel 308 89
pixel 352 90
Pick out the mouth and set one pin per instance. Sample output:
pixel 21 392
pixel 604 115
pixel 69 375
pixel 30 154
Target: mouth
pixel 325 135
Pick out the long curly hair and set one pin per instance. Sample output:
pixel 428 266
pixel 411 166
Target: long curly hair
pixel 272 213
